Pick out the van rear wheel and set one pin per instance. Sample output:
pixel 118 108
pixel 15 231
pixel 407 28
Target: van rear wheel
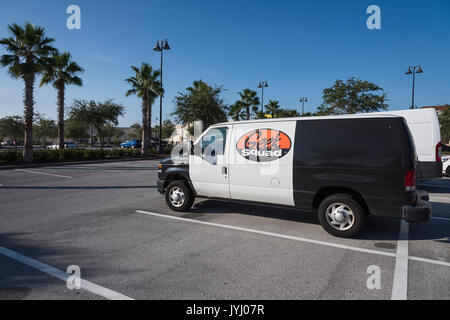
pixel 179 196
pixel 341 215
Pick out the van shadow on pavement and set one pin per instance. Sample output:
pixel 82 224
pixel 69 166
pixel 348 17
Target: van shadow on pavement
pixel 435 185
pixel 376 228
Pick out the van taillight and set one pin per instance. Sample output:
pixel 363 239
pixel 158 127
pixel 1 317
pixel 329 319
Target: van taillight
pixel 439 152
pixel 410 180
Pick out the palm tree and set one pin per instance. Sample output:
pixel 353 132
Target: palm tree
pixel 30 50
pixel 145 84
pixel 235 111
pixel 273 108
pixel 61 72
pixel 249 99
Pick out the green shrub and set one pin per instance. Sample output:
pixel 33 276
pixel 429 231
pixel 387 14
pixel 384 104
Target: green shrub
pixel 11 156
pixel 168 149
pixel 46 155
pixel 152 150
pixel 113 154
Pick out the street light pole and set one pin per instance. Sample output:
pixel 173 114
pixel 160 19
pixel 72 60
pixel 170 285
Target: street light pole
pixel 303 100
pixel 262 85
pixel 161 46
pixel 415 69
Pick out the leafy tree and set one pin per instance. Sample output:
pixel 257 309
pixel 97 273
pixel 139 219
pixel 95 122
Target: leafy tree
pixel 287 113
pixel 75 130
pixel 250 101
pixel 97 114
pixel 12 127
pixel 261 115
pixel 145 84
pixel 61 72
pixel 236 111
pixel 167 129
pixel 444 121
pixel 308 114
pixel 30 51
pixel 352 96
pixel 45 128
pixel 110 132
pixel 200 102
pixel 273 108
pixel 136 132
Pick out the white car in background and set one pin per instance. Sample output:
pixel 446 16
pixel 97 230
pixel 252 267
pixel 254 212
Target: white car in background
pixel 67 145
pixel 446 165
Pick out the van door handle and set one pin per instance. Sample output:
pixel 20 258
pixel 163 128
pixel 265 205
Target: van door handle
pixel 224 171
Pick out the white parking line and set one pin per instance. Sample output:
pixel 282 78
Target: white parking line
pixel 61 275
pixel 284 236
pixel 272 234
pixel 442 263
pixel 400 285
pixel 440 218
pixel 46 174
pixel 439 198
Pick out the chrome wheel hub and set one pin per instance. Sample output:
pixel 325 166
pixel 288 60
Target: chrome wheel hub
pixel 176 196
pixel 339 216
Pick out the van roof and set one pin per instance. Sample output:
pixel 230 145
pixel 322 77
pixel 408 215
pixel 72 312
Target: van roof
pixel 346 116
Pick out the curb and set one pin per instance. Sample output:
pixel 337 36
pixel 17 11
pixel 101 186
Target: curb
pixel 49 164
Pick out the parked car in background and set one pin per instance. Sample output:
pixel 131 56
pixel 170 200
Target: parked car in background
pixel 7 143
pixel 155 143
pixel 425 129
pixel 445 148
pixel 446 165
pixel 70 145
pixel 67 146
pixel 133 144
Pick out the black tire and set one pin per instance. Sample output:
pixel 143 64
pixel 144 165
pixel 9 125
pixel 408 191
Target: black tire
pixel 447 172
pixel 188 195
pixel 353 219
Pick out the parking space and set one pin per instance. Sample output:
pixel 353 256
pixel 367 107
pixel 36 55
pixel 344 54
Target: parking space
pixel 109 220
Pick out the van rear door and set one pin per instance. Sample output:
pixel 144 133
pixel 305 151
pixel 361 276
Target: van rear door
pixel 425 129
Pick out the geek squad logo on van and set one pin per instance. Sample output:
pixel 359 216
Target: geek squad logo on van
pixel 263 145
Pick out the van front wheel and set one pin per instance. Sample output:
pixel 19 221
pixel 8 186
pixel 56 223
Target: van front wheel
pixel 341 215
pixel 179 196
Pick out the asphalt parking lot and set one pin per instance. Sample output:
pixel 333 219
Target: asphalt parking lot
pixel 109 220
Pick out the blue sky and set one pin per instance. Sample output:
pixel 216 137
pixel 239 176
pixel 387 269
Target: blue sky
pixel 300 47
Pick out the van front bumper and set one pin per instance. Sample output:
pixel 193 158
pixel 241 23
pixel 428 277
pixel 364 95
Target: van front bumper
pixel 420 211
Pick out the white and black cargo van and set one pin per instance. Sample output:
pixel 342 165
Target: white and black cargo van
pixel 343 168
